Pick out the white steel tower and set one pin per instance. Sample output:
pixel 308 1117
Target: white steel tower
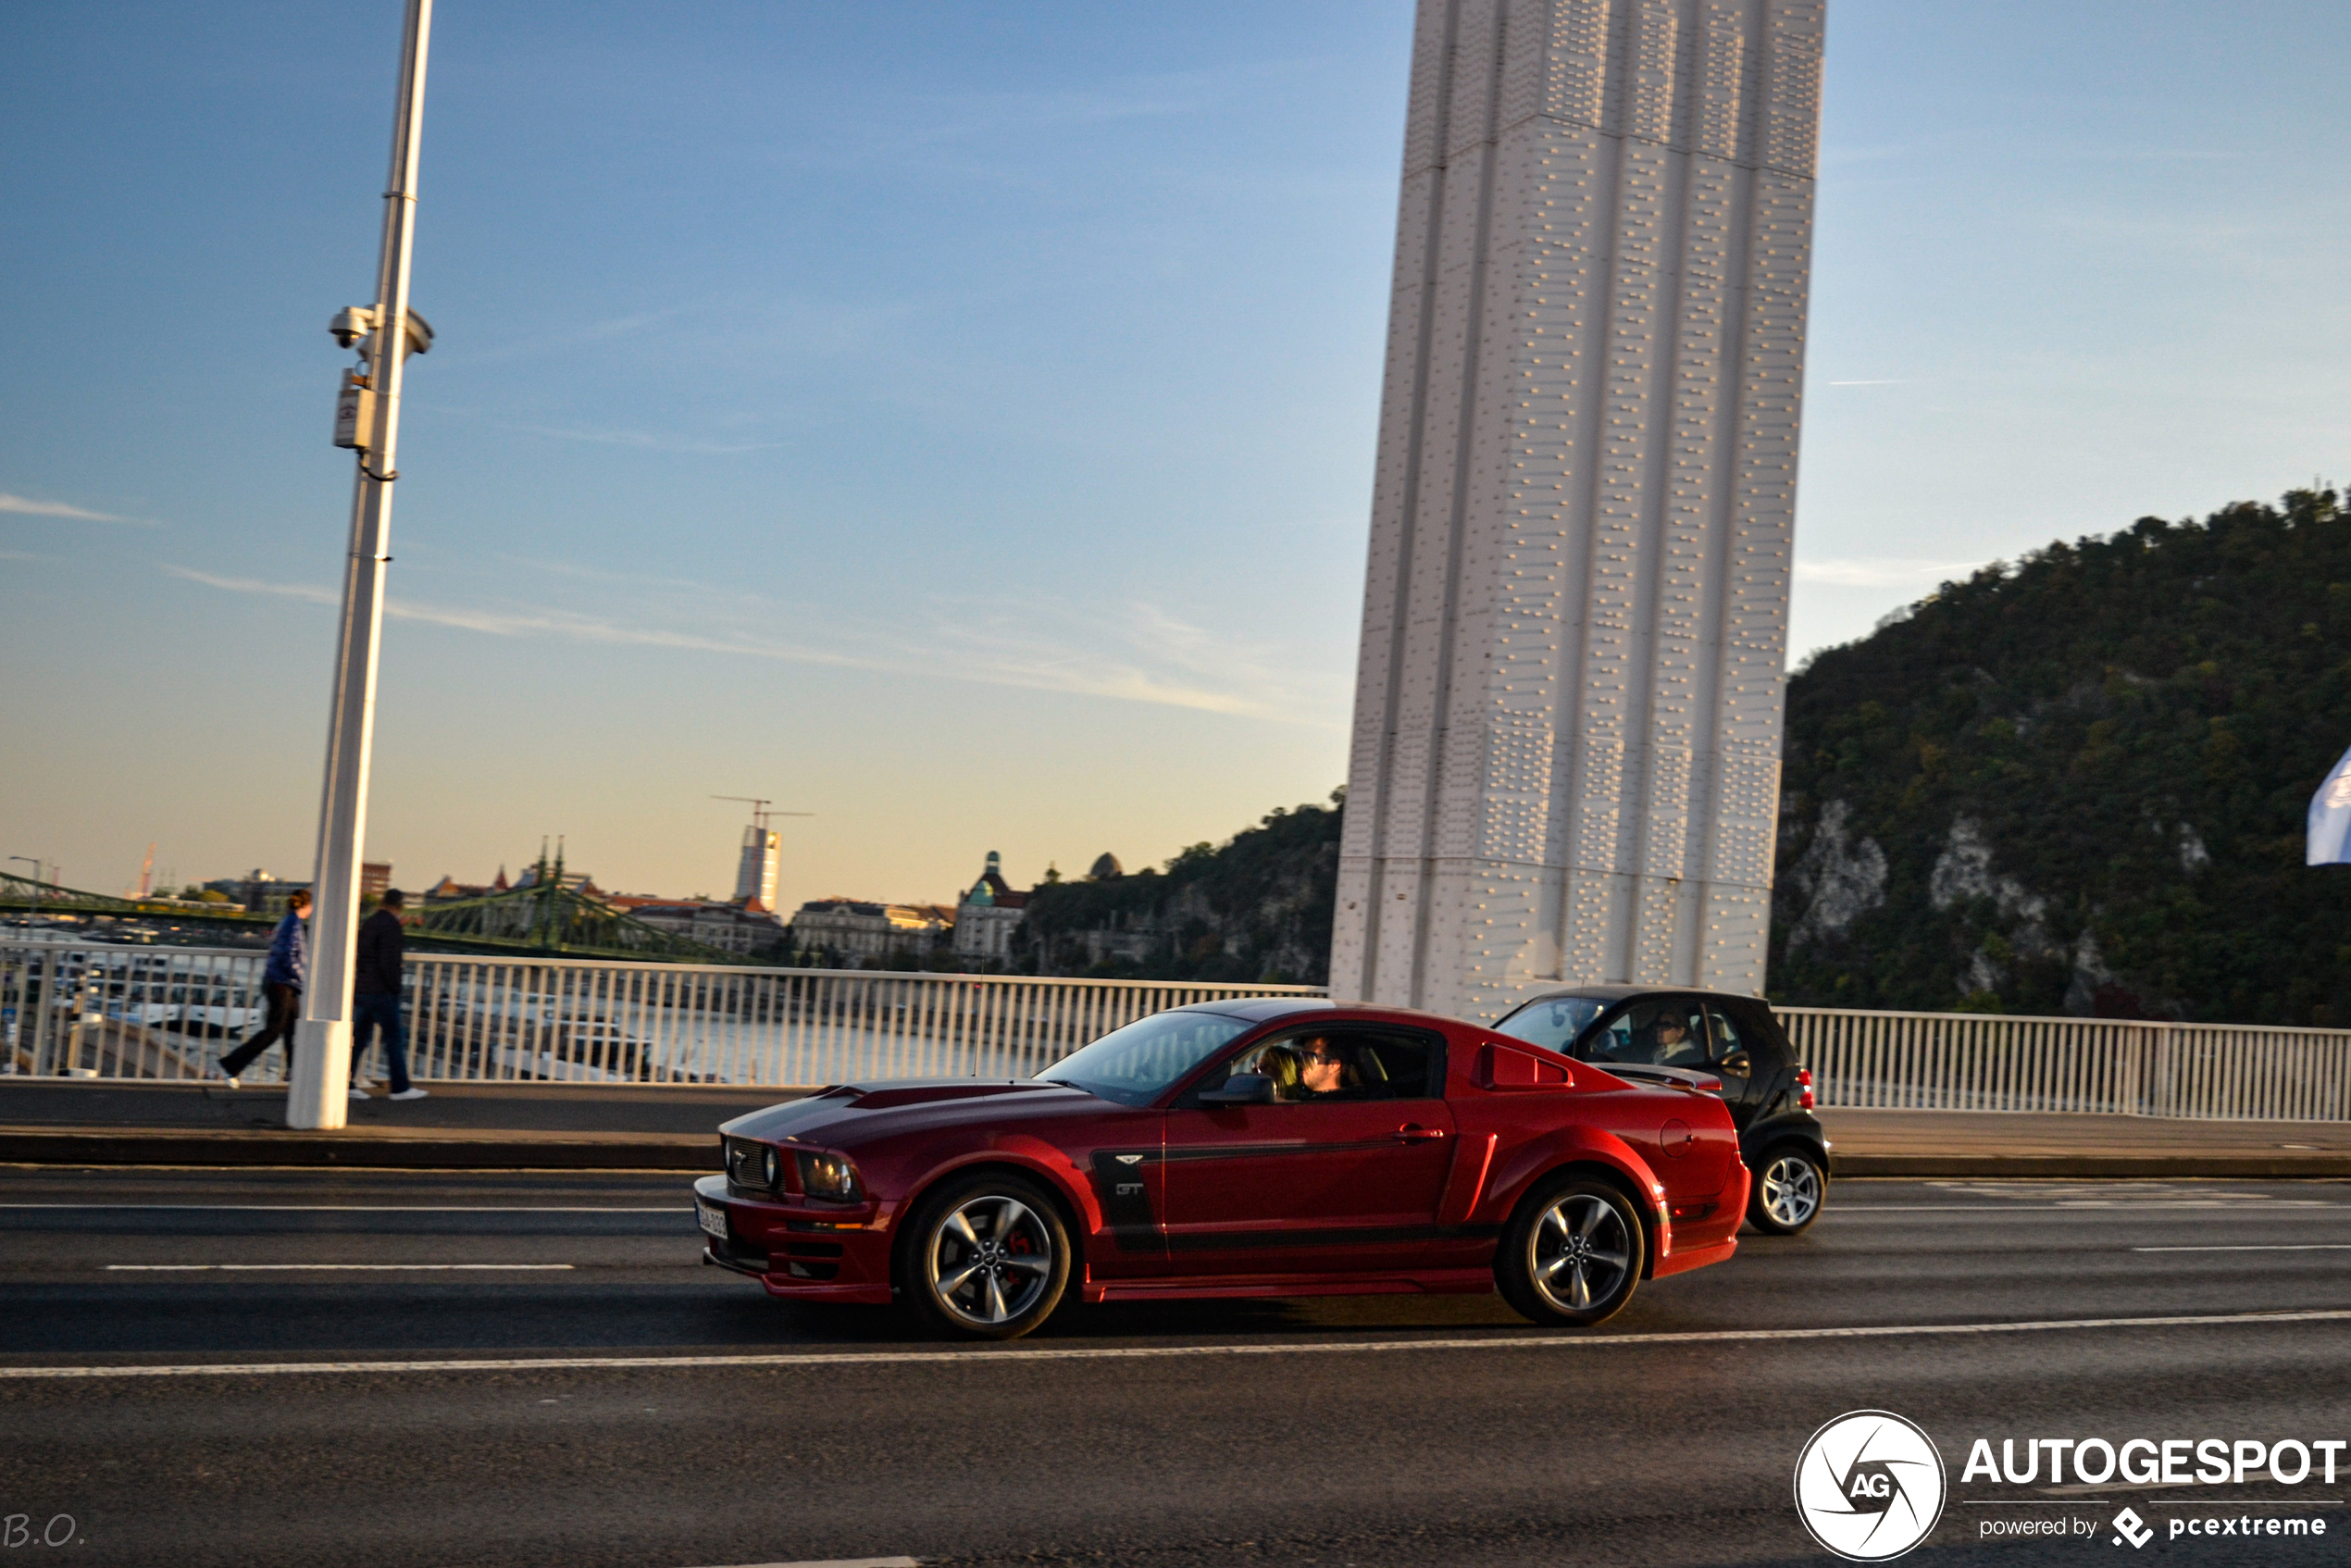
pixel 1565 762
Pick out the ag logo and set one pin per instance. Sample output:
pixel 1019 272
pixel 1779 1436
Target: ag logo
pixel 1868 1485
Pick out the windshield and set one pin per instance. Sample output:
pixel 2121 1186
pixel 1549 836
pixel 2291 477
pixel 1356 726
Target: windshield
pixel 1134 1066
pixel 1552 1023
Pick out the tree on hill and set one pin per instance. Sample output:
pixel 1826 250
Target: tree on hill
pixel 2077 784
pixel 1255 909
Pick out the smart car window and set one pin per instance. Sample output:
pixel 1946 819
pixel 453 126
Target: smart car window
pixel 1136 1064
pixel 1670 1033
pixel 1726 1034
pixel 1552 1023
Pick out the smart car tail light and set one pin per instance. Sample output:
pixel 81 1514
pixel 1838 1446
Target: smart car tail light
pixel 1804 1089
pixel 828 1176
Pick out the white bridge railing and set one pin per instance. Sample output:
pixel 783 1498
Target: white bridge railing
pixel 1977 1062
pixel 99 1011
pixel 93 1009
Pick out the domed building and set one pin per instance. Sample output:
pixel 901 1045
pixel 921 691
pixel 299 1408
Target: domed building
pixel 1106 869
pixel 988 914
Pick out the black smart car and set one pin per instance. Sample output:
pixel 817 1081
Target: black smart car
pixel 1650 1031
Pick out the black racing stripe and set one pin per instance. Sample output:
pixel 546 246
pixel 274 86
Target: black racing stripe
pixel 1370 1235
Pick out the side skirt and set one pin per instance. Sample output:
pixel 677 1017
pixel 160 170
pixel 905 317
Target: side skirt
pixel 1432 1282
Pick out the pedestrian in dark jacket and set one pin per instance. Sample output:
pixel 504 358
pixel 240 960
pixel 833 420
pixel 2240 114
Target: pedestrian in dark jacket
pixel 374 998
pixel 281 981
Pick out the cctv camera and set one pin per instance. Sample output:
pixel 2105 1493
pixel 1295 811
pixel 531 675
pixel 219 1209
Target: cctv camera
pixel 349 326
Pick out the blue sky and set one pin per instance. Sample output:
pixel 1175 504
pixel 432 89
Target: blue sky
pixel 957 420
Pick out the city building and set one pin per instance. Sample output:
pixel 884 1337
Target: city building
pixel 257 891
pixel 850 930
pixel 739 926
pixel 755 875
pixel 449 888
pixel 989 915
pixel 375 876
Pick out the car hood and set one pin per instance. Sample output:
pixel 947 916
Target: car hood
pixel 848 1115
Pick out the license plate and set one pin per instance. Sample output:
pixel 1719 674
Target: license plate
pixel 714 1219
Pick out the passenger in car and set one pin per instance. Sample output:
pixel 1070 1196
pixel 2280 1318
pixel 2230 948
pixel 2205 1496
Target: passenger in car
pixel 1280 1064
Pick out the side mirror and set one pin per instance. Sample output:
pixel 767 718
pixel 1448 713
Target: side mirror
pixel 1736 1062
pixel 1241 1088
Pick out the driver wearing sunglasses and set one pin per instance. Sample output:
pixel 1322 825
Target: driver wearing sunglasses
pixel 1323 1069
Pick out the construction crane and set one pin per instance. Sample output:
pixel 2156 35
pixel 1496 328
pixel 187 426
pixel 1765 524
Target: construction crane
pixel 759 811
pixel 756 873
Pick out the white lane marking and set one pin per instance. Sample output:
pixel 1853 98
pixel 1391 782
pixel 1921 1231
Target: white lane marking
pixel 1170 1352
pixel 2088 1211
pixel 2278 1246
pixel 677 1208
pixel 843 1562
pixel 349 1268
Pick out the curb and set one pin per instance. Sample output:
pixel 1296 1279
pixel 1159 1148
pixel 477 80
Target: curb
pixel 140 1147
pixel 2095 1167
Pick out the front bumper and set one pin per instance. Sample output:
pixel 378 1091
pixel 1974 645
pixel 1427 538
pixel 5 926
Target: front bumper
pixel 836 1252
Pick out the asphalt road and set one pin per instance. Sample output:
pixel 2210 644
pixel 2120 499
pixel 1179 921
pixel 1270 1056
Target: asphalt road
pixel 1367 1431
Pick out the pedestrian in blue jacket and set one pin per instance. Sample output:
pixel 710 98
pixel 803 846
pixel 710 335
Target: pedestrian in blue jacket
pixel 282 979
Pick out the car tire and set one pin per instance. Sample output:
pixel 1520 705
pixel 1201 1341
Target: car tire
pixel 1572 1255
pixel 986 1257
pixel 1791 1183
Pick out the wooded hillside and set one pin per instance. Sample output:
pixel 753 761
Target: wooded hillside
pixel 2078 784
pixel 1255 909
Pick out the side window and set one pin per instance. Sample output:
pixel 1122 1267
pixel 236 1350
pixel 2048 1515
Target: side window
pixel 1728 1041
pixel 1552 1022
pixel 1346 1064
pixel 1670 1034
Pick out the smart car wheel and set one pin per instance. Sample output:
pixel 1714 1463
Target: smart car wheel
pixel 1789 1190
pixel 1572 1254
pixel 987 1257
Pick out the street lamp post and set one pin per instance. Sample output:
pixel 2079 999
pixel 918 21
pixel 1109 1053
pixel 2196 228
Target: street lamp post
pixel 367 418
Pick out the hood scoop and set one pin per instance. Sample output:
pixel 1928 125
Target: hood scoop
pixel 889 1096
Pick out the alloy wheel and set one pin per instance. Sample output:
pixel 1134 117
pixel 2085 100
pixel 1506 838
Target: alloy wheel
pixel 1578 1251
pixel 989 1259
pixel 1791 1191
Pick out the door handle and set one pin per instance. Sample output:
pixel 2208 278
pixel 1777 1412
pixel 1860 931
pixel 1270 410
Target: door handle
pixel 1412 1132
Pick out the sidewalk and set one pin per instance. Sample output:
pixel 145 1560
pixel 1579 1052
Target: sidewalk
pixel 589 1126
pixel 461 1126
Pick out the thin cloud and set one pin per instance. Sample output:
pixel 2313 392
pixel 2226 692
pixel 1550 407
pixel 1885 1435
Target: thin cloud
pixel 1244 683
pixel 27 507
pixel 1881 572
pixel 23 555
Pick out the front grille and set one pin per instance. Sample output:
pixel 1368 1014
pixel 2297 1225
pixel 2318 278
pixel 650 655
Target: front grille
pixel 746 1164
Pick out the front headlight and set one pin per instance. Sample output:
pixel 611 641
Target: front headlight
pixel 826 1176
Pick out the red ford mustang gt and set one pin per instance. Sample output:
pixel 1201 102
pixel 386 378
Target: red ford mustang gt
pixel 1254 1148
